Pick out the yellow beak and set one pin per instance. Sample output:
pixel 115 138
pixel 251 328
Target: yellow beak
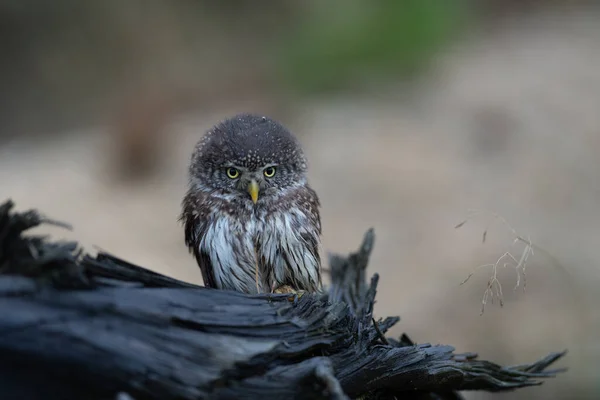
pixel 253 190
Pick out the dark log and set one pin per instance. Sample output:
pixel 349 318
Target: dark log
pixel 73 326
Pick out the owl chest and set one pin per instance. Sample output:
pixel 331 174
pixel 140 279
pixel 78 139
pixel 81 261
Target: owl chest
pixel 263 232
pixel 239 248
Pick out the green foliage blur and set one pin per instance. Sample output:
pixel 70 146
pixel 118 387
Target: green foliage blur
pixel 341 43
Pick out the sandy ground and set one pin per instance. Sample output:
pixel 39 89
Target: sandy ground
pixel 508 122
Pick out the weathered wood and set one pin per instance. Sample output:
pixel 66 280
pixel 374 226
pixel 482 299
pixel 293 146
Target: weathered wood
pixel 74 326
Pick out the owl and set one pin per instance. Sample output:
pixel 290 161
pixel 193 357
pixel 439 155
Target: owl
pixel 250 218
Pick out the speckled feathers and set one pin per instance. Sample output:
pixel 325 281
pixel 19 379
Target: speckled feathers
pixel 251 141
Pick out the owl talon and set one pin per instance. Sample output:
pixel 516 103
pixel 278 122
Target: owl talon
pixel 297 294
pixel 284 289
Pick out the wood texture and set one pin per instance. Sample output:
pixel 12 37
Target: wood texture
pixel 74 326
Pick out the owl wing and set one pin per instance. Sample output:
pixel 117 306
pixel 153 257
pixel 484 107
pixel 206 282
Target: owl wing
pixel 311 235
pixel 194 228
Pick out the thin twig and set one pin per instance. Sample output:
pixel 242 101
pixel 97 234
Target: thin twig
pixel 379 333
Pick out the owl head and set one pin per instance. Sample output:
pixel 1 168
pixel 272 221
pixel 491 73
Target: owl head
pixel 248 158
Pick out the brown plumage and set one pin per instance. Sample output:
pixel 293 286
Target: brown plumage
pixel 249 212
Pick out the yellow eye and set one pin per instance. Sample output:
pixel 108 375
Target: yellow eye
pixel 233 173
pixel 269 172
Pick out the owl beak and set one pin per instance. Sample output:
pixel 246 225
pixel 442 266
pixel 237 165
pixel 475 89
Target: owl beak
pixel 253 190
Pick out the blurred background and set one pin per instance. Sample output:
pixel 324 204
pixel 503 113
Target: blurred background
pixel 411 112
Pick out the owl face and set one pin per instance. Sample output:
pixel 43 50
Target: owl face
pixel 248 158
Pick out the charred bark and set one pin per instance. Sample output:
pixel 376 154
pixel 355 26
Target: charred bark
pixel 74 326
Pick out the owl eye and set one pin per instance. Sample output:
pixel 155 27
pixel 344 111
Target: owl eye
pixel 269 172
pixel 233 173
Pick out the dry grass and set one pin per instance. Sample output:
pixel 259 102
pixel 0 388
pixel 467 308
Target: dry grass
pixel 493 289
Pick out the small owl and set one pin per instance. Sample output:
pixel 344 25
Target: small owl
pixel 251 220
